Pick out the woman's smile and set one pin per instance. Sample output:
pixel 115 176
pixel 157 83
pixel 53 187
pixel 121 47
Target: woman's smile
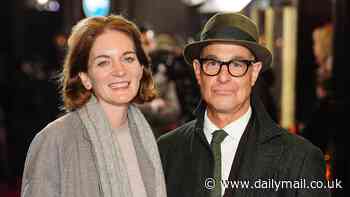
pixel 119 85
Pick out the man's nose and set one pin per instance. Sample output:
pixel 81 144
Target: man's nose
pixel 224 74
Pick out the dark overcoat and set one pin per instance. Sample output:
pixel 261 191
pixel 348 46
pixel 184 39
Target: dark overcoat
pixel 266 156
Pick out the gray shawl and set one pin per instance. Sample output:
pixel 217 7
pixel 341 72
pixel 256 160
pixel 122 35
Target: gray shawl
pixel 111 167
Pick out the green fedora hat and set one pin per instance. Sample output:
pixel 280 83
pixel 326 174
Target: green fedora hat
pixel 232 28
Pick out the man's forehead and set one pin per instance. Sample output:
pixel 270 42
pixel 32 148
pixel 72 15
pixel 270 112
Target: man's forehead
pixel 223 48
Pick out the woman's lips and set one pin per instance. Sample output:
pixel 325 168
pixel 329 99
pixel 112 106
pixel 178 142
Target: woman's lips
pixel 117 85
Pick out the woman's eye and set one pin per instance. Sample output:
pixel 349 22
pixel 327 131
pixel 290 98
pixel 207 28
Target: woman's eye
pixel 103 63
pixel 129 59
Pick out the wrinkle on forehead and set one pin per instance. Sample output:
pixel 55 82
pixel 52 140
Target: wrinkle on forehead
pixel 108 44
pixel 104 52
pixel 222 51
pixel 107 53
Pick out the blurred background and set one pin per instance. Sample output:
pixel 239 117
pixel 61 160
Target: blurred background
pixel 305 91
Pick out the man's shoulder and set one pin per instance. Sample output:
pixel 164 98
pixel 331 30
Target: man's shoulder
pixel 296 140
pixel 180 134
pixel 296 144
pixel 300 158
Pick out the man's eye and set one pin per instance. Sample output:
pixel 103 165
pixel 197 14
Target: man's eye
pixel 238 63
pixel 211 63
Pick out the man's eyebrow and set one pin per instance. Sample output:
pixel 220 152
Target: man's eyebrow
pixel 210 56
pixel 241 57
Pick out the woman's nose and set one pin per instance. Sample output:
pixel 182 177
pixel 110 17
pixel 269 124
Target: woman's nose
pixel 118 68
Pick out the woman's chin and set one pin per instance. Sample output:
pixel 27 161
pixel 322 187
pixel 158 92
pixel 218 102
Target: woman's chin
pixel 122 98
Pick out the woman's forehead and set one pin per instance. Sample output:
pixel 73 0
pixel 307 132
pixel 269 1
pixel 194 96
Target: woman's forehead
pixel 112 43
pixel 113 39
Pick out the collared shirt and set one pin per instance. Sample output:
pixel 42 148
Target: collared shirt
pixel 229 146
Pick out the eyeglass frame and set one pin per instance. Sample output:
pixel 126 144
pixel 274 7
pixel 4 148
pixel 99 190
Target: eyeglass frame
pixel 227 63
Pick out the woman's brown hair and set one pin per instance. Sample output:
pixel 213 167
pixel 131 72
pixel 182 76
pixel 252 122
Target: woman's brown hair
pixel 80 42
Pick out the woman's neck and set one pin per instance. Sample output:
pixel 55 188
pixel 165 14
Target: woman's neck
pixel 117 114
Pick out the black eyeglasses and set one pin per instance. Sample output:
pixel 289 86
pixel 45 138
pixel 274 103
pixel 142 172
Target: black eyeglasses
pixel 236 67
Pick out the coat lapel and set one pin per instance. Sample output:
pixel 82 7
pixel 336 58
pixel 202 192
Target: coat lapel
pixel 243 162
pixel 257 154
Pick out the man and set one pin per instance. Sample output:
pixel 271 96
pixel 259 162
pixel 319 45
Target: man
pixel 233 138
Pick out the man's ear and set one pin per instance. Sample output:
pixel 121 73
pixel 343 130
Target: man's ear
pixel 85 80
pixel 197 70
pixel 256 68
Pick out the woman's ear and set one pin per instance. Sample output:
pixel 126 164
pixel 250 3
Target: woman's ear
pixel 85 80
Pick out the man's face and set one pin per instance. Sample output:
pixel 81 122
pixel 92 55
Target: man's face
pixel 224 93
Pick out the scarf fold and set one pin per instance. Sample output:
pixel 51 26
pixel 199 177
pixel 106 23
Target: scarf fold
pixel 111 167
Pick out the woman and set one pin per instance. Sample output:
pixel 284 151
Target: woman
pixel 103 146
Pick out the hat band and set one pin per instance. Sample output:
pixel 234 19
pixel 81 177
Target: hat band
pixel 231 33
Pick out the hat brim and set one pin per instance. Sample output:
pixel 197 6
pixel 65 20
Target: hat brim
pixel 192 51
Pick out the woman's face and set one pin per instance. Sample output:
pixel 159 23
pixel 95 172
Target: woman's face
pixel 114 71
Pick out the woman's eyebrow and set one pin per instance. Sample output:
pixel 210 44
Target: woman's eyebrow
pixel 108 56
pixel 129 52
pixel 101 56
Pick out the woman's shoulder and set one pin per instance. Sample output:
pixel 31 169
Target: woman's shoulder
pixel 51 147
pixel 62 129
pixel 66 121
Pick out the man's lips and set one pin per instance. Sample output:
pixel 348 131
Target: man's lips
pixel 223 91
